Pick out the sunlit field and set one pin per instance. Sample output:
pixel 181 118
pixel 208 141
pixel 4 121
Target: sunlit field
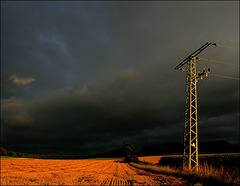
pixel 154 159
pixel 222 168
pixel 22 171
pixel 27 171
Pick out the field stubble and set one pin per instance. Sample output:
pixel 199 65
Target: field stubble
pixel 79 172
pixel 223 173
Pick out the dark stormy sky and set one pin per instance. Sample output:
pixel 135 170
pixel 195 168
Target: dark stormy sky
pixel 83 77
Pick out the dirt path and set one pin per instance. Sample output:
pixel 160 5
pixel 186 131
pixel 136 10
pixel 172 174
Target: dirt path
pixel 78 172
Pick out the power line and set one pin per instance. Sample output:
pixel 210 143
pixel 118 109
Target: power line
pixel 226 47
pixel 214 61
pixel 225 76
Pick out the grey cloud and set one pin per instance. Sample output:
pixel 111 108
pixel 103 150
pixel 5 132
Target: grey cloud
pixel 14 114
pixel 112 107
pixel 122 57
pixel 127 106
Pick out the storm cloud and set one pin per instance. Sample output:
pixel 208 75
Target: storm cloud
pixel 105 73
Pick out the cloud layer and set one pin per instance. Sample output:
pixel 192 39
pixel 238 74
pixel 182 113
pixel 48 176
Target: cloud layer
pixel 106 113
pixel 105 73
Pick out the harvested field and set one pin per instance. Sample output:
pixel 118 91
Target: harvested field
pixel 78 172
pixel 154 159
pixel 221 168
pixel 150 159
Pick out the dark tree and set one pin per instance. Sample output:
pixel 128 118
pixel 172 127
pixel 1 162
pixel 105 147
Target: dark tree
pixel 3 151
pixel 129 153
pixel 11 153
pixel 20 154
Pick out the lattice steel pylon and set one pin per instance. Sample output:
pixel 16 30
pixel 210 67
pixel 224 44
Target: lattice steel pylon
pixel 190 152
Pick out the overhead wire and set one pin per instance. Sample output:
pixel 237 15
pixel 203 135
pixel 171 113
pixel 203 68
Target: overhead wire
pixel 220 62
pixel 228 77
pixel 226 47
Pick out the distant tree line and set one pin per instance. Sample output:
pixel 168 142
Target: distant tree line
pixel 129 152
pixel 107 154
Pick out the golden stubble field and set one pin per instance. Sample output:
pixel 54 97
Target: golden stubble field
pixel 22 171
pixel 155 159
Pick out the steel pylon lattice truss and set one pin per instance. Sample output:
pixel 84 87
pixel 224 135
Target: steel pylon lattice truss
pixel 190 154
